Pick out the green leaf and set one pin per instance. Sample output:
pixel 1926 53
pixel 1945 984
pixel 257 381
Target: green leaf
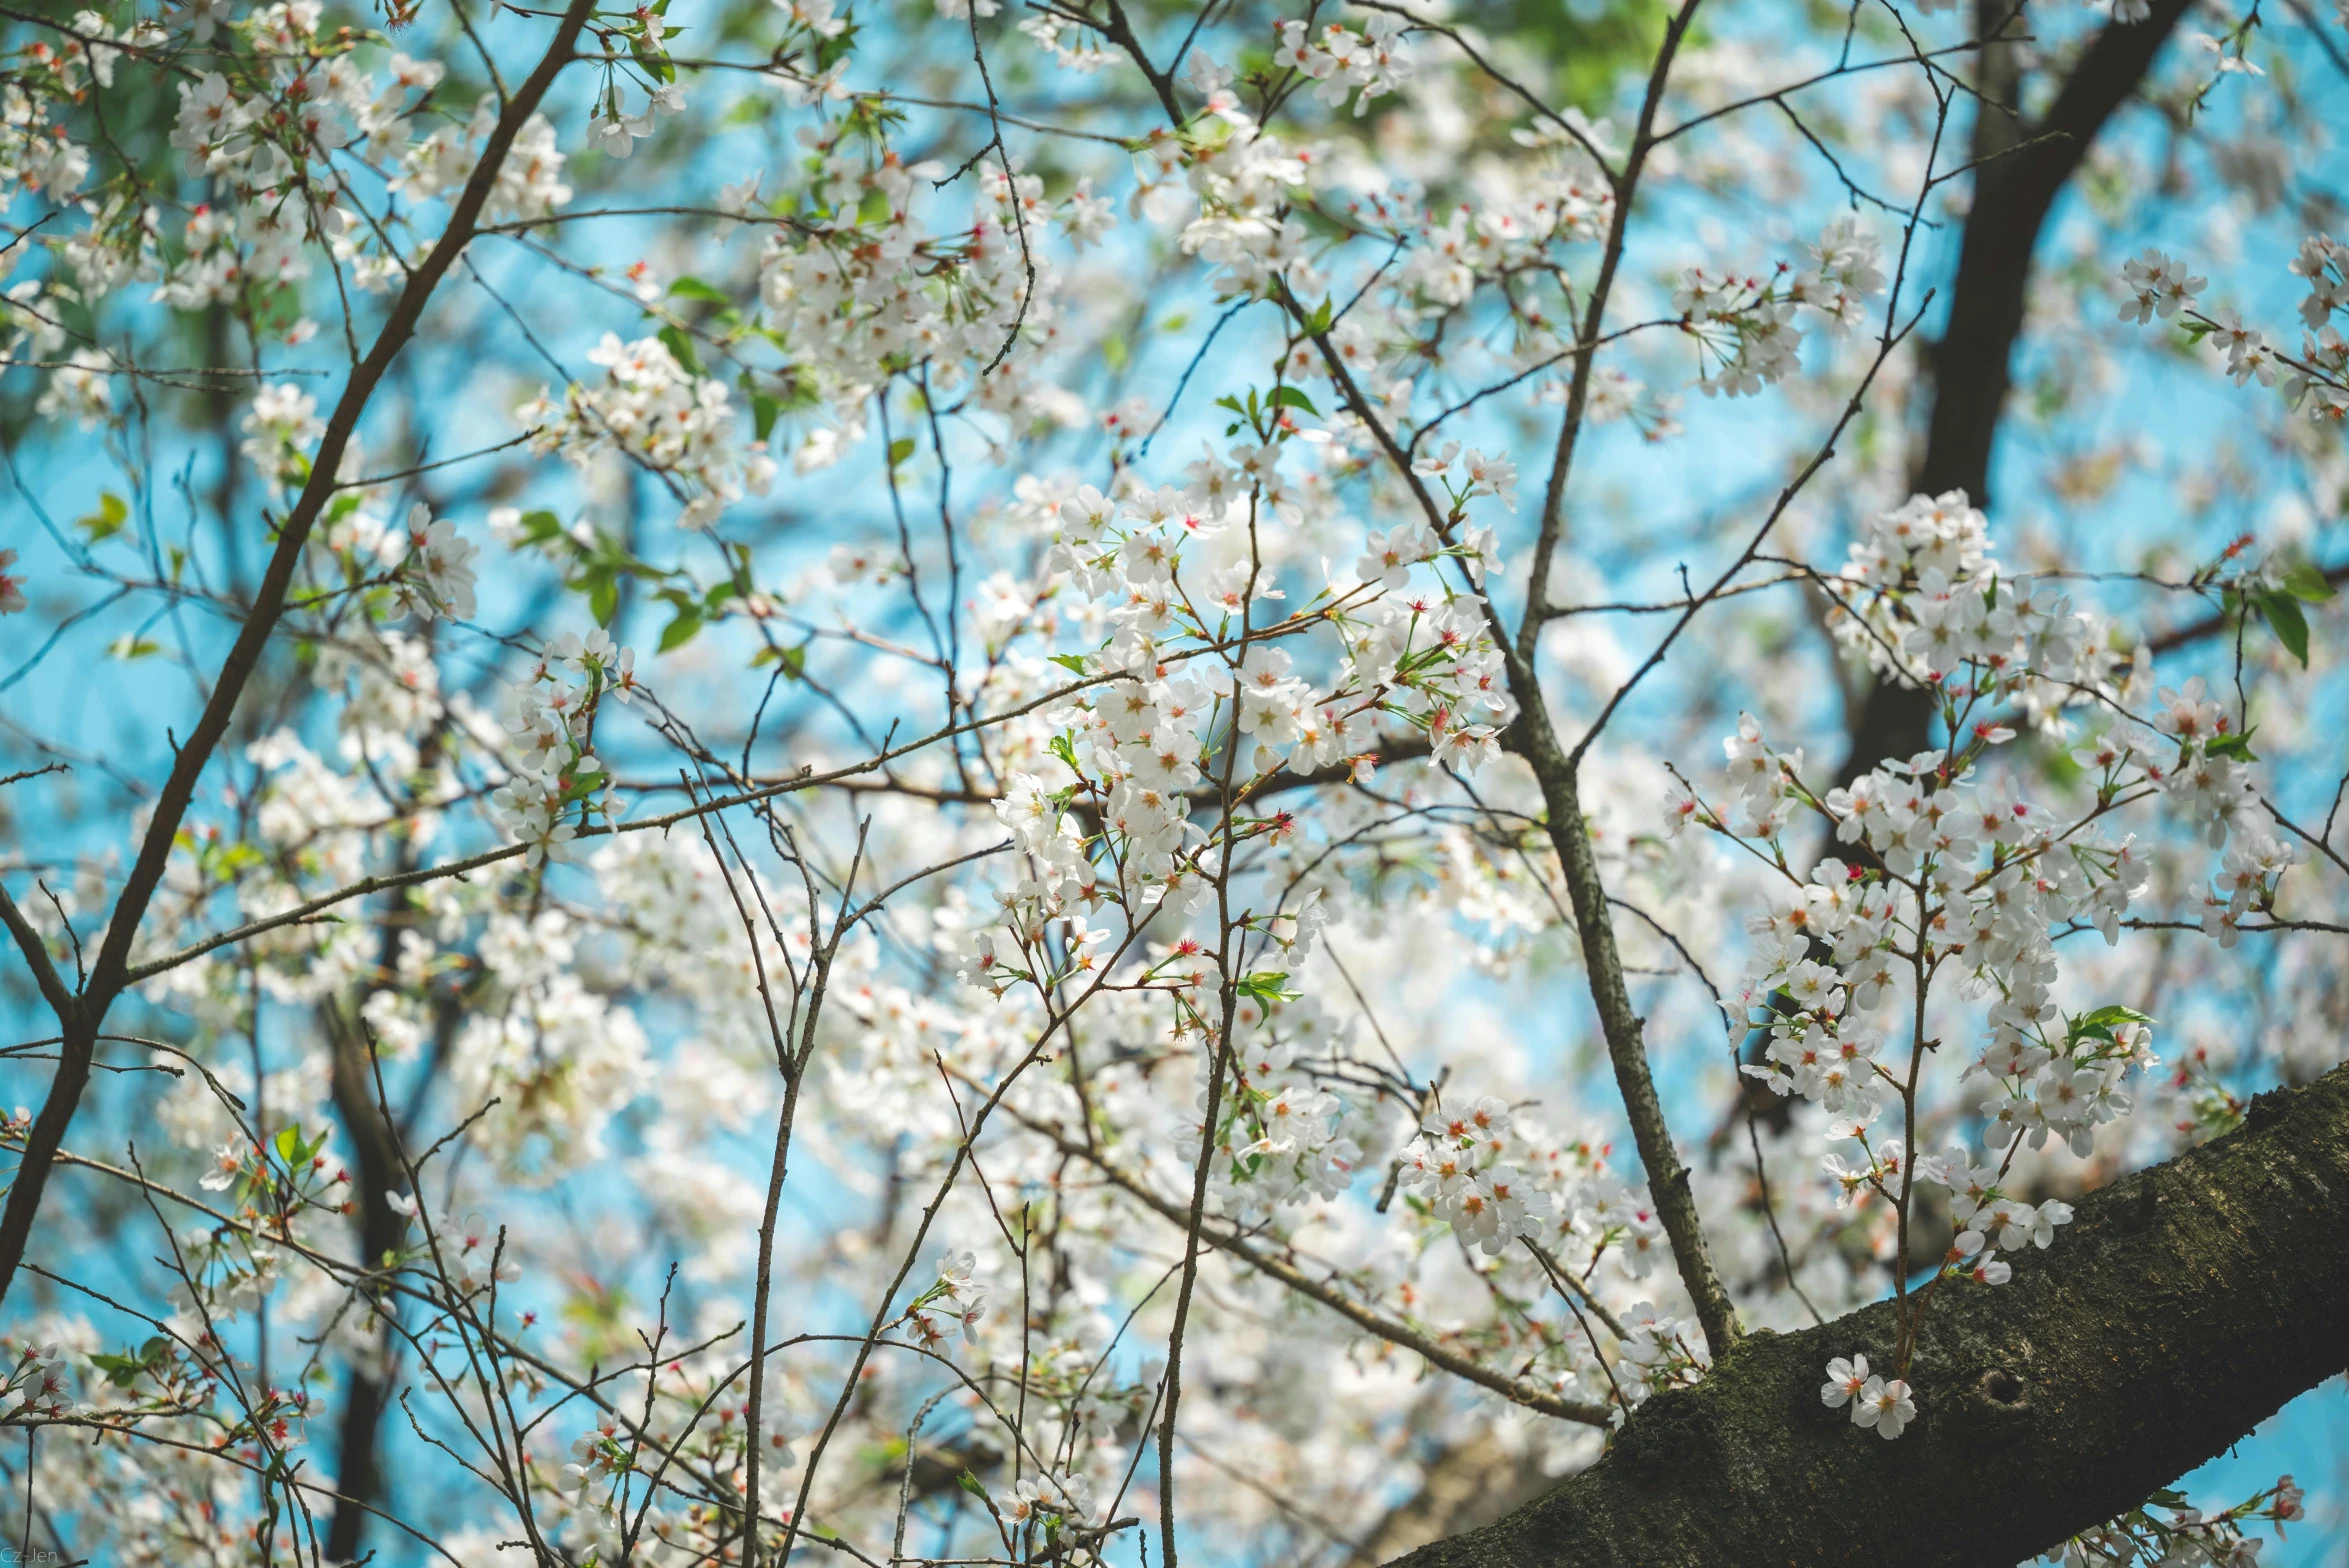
pixel 1319 322
pixel 1074 663
pixel 288 1143
pixel 900 449
pixel 655 63
pixel 690 287
pixel 763 412
pixel 793 660
pixel 132 646
pixel 680 347
pixel 2290 626
pixel 829 51
pixel 2102 1022
pixel 603 596
pixel 1290 397
pixel 1266 985
pixel 2306 583
pixel 681 630
pixel 970 1483
pixel 539 527
pixel 107 521
pixel 2237 747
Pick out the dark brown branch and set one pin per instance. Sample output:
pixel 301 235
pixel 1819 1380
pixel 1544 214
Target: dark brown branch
pixel 107 975
pixel 2012 196
pixel 1969 367
pixel 381 1228
pixel 2185 1305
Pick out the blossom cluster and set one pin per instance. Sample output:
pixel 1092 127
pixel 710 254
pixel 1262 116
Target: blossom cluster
pixel 870 284
pixel 1922 597
pixel 2314 380
pixel 1344 63
pixel 1748 330
pixel 1455 1162
pixel 1954 873
pixel 655 410
pixel 955 1298
pixel 1877 1403
pixel 437 577
pixel 550 718
pixel 1284 1137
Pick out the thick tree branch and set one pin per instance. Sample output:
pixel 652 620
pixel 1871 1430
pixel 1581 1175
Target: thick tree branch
pixel 2185 1305
pixel 2020 170
pixel 376 1152
pixel 2012 197
pixel 1532 738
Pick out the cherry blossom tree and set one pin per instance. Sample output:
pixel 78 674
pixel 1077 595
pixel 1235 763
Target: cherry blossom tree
pixel 801 782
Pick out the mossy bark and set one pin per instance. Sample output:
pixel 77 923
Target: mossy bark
pixel 2183 1306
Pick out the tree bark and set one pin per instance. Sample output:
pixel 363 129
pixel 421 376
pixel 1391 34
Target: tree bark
pixel 2185 1304
pixel 2023 168
pixel 358 1476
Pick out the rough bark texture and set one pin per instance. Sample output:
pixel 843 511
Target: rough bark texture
pixel 2186 1304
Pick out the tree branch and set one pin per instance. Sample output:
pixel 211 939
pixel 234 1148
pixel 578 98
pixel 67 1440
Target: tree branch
pixel 2186 1304
pixel 107 974
pixel 1264 1259
pixel 1969 365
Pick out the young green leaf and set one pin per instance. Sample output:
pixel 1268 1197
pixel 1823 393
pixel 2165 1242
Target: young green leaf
pixel 1266 985
pixel 2289 625
pixel 681 349
pixel 107 521
pixel 2306 583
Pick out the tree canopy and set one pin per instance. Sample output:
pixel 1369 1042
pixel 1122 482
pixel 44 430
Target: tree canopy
pixel 935 782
